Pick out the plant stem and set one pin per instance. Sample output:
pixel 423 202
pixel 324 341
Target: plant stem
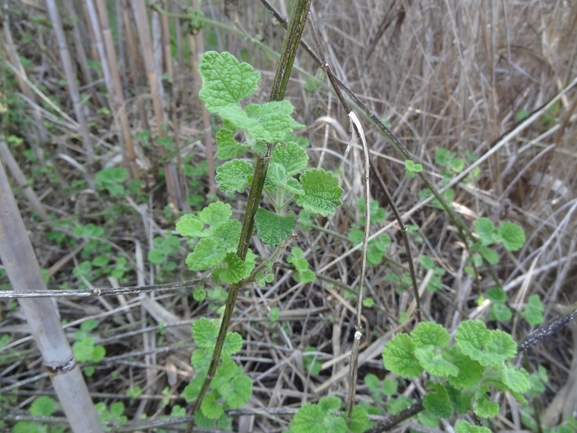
pixel 288 53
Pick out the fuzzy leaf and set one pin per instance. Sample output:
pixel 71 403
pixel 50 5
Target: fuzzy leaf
pixel 429 333
pixel 434 363
pixel 321 192
pixel 233 270
pixel 496 295
pixel 42 406
pixel 399 358
pixel 534 311
pixel 204 333
pixel 490 255
pixel 226 146
pixel 291 156
pixel 273 228
pixel 330 404
pixel 225 80
pixel 191 227
pixel 516 379
pixel 271 121
pixel 483 407
pixel 233 176
pixel 206 255
pixel 211 407
pixel 237 391
pixel 359 421
pixel 216 213
pixel 232 344
pixel 308 419
pixel 487 347
pixel 437 401
pixel 512 236
pixel 485 229
pixel 464 427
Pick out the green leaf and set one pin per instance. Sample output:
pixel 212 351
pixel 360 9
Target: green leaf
pixel 225 80
pixel 156 257
pixel 516 379
pixel 226 146
pixel 496 295
pixel 232 344
pixel 233 269
pixel 308 419
pixel 426 262
pixel 310 363
pixel 84 349
pixel 330 404
pixel 485 229
pixel 202 421
pixel 512 236
pixel 443 157
pixel 490 255
pixel 533 312
pixel 470 371
pixel 501 312
pixel 291 156
pixel 464 427
pixel 430 334
pixel 461 401
pixel 483 407
pixel 204 333
pixel 273 228
pixel 211 407
pixel 216 213
pixel 210 252
pixel 390 386
pixel 321 192
pixel 42 406
pixel 437 401
pixel 434 363
pixel 271 121
pixel 412 166
pixel 237 391
pixel 399 358
pixel 487 347
pixel 359 421
pixel 233 176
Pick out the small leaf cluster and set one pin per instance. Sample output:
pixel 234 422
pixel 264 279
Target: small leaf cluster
pixel 412 168
pixel 499 310
pixel 217 243
pixel 324 418
pixel 377 247
pixel 310 362
pixel 113 416
pixel 42 406
pixel 164 247
pixel 462 374
pixel 84 347
pixel 434 283
pixel 509 234
pixel 112 180
pixel 229 389
pixel 302 272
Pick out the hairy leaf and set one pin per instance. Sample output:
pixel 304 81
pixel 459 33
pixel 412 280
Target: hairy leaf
pixel 322 193
pixel 226 146
pixel 225 80
pixel 512 236
pixel 291 156
pixel 233 176
pixel 273 228
pixel 399 357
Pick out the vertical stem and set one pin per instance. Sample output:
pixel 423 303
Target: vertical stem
pixel 284 67
pixel 70 78
pixel 24 273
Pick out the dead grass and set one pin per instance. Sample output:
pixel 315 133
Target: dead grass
pixel 448 74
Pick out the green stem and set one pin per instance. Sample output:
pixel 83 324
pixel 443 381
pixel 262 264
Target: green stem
pixel 288 53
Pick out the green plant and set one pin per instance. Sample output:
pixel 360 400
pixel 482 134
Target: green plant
pixel 164 247
pixel 112 180
pixel 462 374
pixel 509 234
pixel 324 417
pixel 229 389
pixel 434 283
pixel 114 415
pixel 42 406
pixel 84 346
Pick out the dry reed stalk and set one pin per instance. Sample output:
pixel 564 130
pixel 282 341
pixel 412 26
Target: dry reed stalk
pixel 135 70
pixel 118 95
pixel 70 78
pixel 24 273
pixel 41 134
pixel 141 18
pixel 81 54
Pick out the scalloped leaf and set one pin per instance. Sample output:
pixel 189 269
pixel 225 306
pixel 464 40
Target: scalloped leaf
pixel 322 193
pixel 399 357
pixel 273 228
pixel 232 176
pixel 291 156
